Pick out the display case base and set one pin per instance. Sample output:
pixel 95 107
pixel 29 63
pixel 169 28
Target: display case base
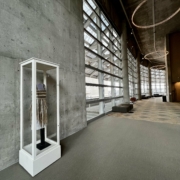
pixel 42 161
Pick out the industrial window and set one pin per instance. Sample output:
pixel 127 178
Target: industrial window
pixel 132 73
pixel 144 80
pixel 103 66
pixel 158 81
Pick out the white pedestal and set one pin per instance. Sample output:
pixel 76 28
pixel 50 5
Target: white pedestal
pixel 43 159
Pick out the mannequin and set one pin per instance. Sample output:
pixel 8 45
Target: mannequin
pixel 41 105
pixel 41 111
pixel 41 114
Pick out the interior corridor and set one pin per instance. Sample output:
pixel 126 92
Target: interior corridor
pixel 118 147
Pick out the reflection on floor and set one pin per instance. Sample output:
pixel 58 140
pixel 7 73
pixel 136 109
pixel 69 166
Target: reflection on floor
pixel 153 110
pixel 93 109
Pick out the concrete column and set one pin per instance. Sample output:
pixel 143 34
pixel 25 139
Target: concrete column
pixel 160 82
pixel 149 75
pixel 120 80
pixel 133 77
pixel 125 63
pixel 155 82
pixel 138 75
pixel 100 66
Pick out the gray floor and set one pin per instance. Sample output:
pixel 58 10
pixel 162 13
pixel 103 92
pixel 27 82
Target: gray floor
pixel 112 148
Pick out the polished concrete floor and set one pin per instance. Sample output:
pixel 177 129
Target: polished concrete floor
pixel 114 148
pixel 153 110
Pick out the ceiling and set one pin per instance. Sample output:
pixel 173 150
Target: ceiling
pixel 144 16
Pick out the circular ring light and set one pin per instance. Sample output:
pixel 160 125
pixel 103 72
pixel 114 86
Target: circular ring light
pixel 159 67
pixel 156 52
pixel 152 25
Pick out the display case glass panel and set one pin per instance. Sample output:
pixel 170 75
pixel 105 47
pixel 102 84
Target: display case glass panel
pixel 39 114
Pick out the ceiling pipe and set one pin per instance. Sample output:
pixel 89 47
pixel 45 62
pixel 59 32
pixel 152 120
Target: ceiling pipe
pixel 130 25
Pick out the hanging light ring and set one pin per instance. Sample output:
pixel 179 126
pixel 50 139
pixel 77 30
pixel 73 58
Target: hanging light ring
pixel 152 25
pixel 156 52
pixel 159 67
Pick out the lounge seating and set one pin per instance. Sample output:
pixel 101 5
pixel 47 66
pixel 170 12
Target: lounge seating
pixel 123 108
pixel 145 97
pixel 157 95
pixel 128 104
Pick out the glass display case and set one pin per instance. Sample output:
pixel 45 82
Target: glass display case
pixel 39 115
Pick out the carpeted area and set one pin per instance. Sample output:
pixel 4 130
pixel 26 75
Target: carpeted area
pixel 153 110
pixel 114 148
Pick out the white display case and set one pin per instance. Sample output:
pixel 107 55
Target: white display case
pixel 31 158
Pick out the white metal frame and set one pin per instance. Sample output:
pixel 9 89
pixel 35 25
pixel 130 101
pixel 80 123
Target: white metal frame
pixel 34 162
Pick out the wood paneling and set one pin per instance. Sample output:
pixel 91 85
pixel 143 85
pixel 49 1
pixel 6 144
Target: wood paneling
pixel 177 92
pixel 174 53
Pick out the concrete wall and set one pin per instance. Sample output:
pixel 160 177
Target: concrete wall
pixel 51 30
